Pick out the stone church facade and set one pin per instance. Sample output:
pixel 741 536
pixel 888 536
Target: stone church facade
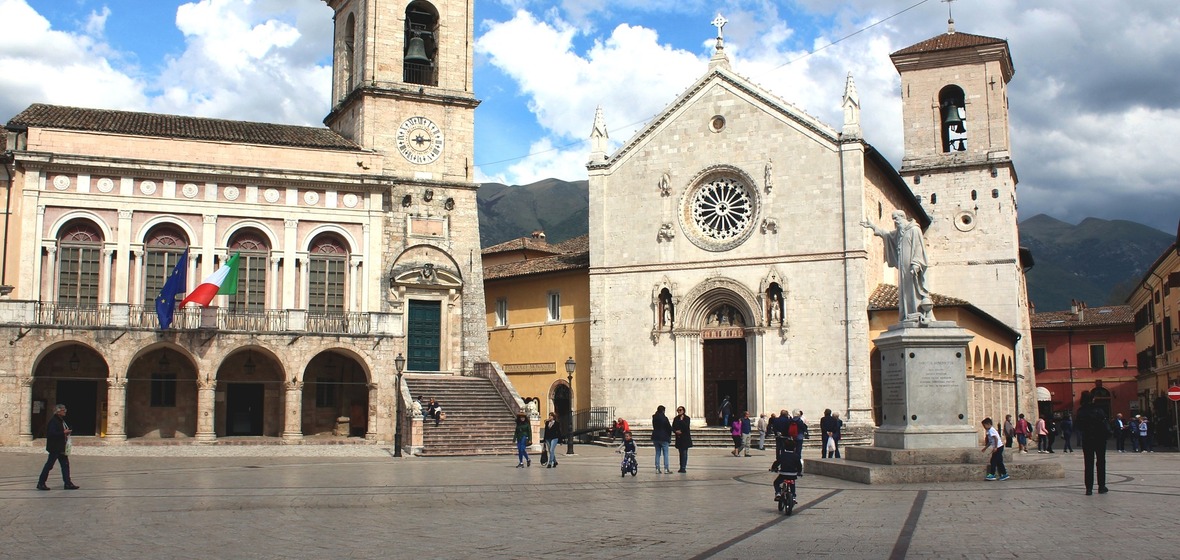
pixel 746 272
pixel 359 244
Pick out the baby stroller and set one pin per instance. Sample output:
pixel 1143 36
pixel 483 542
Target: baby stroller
pixel 629 465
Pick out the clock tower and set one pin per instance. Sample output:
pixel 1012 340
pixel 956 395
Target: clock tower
pixel 402 87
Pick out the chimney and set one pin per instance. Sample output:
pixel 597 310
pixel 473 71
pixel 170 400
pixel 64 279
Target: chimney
pixel 539 234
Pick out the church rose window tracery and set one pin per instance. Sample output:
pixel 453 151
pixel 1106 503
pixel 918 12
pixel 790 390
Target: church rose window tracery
pixel 719 212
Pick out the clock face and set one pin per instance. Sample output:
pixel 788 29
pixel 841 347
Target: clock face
pixel 419 140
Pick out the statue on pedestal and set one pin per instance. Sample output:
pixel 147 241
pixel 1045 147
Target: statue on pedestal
pixel 906 251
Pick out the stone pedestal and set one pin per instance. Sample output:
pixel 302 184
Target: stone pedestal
pixel 924 387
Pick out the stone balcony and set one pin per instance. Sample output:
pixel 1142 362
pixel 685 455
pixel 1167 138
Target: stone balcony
pixel 121 315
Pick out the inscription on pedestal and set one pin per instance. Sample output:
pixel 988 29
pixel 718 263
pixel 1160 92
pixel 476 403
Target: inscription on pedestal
pixel 892 381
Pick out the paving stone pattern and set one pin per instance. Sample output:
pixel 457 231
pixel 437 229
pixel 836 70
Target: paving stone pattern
pixel 358 502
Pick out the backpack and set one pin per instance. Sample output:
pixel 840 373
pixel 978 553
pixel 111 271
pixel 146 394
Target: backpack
pixel 793 429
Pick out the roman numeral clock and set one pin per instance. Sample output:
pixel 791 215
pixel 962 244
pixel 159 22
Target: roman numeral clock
pixel 419 140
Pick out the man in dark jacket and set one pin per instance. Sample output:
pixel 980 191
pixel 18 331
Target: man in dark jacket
pixel 661 437
pixel 56 433
pixel 1092 422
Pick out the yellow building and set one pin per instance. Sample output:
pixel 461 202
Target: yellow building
pixel 1157 338
pixel 538 313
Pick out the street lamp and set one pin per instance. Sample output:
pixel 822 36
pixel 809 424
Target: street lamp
pixel 570 366
pixel 400 363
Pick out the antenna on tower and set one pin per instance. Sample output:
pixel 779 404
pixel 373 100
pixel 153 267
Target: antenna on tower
pixel 950 17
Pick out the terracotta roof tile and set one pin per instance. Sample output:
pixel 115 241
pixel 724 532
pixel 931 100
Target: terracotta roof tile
pixel 521 243
pixel 949 41
pixel 556 263
pixel 578 244
pixel 1089 317
pixel 39 115
pixel 885 297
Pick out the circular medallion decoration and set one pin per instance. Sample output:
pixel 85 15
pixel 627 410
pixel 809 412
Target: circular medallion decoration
pixel 717 123
pixel 419 140
pixel 190 190
pixel 311 198
pixel 718 213
pixel 148 187
pixel 61 182
pixel 105 185
pixel 231 193
pixel 965 220
pixel 271 195
pixel 350 200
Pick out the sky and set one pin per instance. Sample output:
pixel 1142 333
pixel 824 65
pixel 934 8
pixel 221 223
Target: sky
pixel 1095 93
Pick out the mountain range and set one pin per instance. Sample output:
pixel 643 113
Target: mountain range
pixel 1096 261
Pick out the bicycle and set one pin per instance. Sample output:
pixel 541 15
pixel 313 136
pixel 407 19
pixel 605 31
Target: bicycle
pixel 629 464
pixel 786 497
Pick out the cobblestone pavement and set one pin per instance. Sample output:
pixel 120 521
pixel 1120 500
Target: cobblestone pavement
pixel 358 502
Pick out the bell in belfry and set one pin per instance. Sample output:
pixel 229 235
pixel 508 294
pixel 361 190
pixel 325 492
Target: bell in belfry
pixel 954 118
pixel 416 49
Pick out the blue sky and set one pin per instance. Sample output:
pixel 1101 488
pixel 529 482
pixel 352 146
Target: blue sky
pixel 1093 98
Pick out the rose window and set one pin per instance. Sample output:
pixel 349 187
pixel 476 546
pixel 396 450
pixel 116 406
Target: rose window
pixel 719 212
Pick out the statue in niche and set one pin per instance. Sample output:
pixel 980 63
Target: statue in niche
pixel 775 305
pixel 906 251
pixel 768 175
pixel 665 186
pixel 667 309
pixel 725 316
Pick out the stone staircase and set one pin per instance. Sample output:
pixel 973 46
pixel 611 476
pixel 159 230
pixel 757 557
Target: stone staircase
pixel 478 421
pixel 717 437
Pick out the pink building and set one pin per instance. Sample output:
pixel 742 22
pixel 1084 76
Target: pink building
pixel 1085 349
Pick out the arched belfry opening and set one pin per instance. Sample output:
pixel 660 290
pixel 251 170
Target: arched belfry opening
pixel 421 41
pixel 348 61
pixel 952 103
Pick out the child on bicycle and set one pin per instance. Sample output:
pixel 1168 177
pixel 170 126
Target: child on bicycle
pixel 627 449
pixel 789 468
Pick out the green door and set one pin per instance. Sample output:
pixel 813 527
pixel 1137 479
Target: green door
pixel 425 329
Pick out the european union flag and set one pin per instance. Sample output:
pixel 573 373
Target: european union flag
pixel 176 284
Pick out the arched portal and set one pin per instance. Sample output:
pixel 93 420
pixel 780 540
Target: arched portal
pixel 76 376
pixel 161 396
pixel 725 374
pixel 249 399
pixel 335 388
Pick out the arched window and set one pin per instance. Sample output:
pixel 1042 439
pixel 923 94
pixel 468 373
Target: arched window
pixel 252 265
pixel 79 254
pixel 327 272
pixel 952 105
pixel 349 52
pixel 162 249
pixel 421 44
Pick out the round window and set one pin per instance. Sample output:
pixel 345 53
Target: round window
pixel 719 212
pixel 717 123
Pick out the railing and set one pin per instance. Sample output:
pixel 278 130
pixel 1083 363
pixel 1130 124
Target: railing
pixel 144 316
pixel 415 73
pixel 594 419
pixel 338 323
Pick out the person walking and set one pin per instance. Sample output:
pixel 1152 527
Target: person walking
pixel 995 467
pixel 1091 421
pixel 725 410
pixel 1066 427
pixel 746 428
pixel 837 427
pixel 57 434
pixel 551 435
pixel 1023 430
pixel 735 432
pixel 1042 435
pixel 1051 427
pixel 761 426
pixel 1132 429
pixel 661 437
pixel 524 431
pixel 825 432
pixel 681 428
pixel 1009 431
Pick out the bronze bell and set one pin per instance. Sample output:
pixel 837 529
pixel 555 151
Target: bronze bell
pixel 416 50
pixel 954 119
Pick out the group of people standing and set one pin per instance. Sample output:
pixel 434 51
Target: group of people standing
pixel 663 432
pixel 1138 430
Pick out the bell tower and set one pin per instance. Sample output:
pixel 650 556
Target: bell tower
pixel 402 83
pixel 954 90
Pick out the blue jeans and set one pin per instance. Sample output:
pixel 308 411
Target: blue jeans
pixel 661 450
pixel 522 450
pixel 552 452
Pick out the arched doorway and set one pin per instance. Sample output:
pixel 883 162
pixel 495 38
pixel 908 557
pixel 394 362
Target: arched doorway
pixel 250 392
pixel 76 376
pixel 561 404
pixel 725 372
pixel 335 387
pixel 161 396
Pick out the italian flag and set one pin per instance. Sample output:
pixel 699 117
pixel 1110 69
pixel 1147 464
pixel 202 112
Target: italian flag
pixel 222 282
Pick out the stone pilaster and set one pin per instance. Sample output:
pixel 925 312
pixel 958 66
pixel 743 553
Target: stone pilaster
pixel 26 409
pixel 293 421
pixel 116 409
pixel 206 410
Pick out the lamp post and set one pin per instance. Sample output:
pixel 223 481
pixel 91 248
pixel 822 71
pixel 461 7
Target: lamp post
pixel 570 366
pixel 400 363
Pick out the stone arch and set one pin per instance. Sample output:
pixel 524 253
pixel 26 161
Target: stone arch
pixel 250 392
pixel 156 221
pixel 161 392
pixel 272 240
pixel 713 292
pixel 74 373
pixel 977 362
pixel 103 227
pixel 350 242
pixel 337 384
pixel 987 361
